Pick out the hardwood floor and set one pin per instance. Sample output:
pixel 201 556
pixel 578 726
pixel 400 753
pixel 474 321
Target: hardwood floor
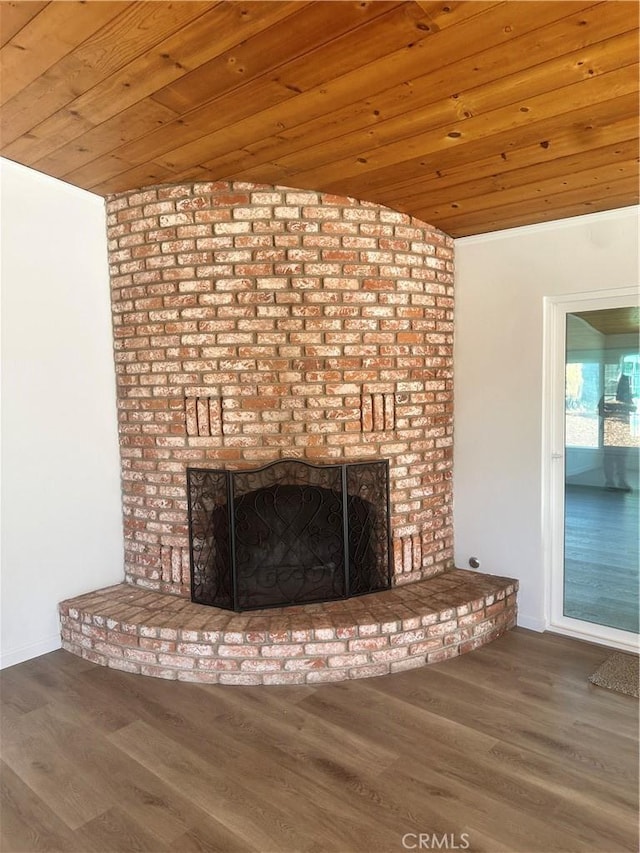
pixel 509 748
pixel 601 556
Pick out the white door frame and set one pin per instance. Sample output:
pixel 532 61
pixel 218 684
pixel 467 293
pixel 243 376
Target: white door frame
pixel 556 309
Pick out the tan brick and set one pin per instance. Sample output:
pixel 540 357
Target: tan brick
pixel 442 654
pixel 296 664
pixel 347 660
pixel 238 651
pixel 425 646
pixel 159 671
pixel 124 665
pixel 388 655
pixel 197 676
pixel 407 637
pixel 178 661
pixel 246 678
pixel 283 678
pixel 324 634
pixel 369 644
pixel 493 609
pixel 408 663
pixel 282 650
pixel 319 676
pixel 218 665
pixel 140 655
pixel 369 671
pixel 314 649
pixel 194 649
pixel 254 665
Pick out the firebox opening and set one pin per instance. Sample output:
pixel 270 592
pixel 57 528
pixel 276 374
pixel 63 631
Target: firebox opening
pixel 288 533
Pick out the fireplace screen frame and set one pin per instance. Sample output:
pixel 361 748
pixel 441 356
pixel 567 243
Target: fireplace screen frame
pixel 227 509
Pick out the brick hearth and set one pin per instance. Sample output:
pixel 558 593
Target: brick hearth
pixel 156 634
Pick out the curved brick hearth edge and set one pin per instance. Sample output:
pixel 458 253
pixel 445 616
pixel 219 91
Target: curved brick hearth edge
pixel 150 633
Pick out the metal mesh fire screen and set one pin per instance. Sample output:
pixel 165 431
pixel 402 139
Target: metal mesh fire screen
pixel 289 532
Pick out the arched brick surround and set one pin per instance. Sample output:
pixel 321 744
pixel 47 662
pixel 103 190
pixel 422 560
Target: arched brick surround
pixel 253 323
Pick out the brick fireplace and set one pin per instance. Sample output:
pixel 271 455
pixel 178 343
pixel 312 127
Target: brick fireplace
pixel 254 324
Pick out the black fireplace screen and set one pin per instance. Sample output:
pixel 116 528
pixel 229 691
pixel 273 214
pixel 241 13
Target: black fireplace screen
pixel 288 533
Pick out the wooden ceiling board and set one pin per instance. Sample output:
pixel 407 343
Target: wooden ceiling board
pixel 226 123
pixel 470 115
pixel 217 125
pixel 210 34
pixel 562 168
pixel 107 137
pixel 542 143
pixel 484 69
pixel 319 101
pixel 387 144
pixel 136 30
pixel 594 177
pixel 146 175
pixel 578 201
pixel 48 37
pixel 613 321
pixel 15 16
pixel 459 133
pixel 315 26
pixel 564 174
pixel 225 113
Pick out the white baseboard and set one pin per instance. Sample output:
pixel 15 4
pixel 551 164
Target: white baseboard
pixel 531 622
pixel 31 650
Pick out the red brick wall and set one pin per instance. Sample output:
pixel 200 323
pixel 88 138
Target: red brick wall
pixel 253 323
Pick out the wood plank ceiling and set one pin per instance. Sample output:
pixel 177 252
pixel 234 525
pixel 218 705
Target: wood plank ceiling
pixel 472 116
pixel 613 321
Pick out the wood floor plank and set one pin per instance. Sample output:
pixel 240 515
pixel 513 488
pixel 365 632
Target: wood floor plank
pixel 536 685
pixel 138 796
pixel 533 812
pixel 510 744
pixel 27 824
pixel 56 780
pixel 45 685
pixel 265 727
pixel 209 836
pixel 228 800
pixel 308 766
pixel 314 765
pixel 549 733
pixel 114 831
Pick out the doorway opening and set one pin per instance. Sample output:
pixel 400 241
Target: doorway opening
pixel 594 480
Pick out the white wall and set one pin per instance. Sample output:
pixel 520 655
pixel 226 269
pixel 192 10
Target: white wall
pixel 501 281
pixel 61 517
